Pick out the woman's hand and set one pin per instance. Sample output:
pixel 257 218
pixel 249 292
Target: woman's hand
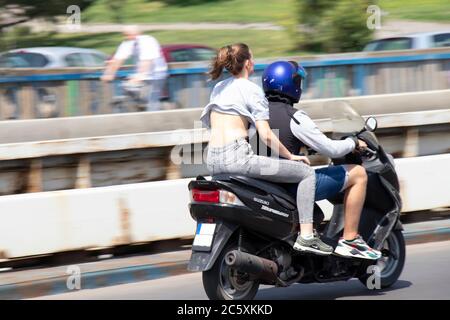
pixel 300 158
pixel 271 140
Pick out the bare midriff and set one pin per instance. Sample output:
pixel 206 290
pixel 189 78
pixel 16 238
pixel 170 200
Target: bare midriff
pixel 226 128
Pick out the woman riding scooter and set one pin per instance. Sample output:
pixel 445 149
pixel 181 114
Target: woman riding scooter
pixel 237 102
pixel 282 85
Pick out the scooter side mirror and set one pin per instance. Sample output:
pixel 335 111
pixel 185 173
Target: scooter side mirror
pixel 371 124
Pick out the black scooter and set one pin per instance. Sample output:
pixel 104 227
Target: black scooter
pixel 246 229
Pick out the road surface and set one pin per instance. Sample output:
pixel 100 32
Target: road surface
pixel 426 276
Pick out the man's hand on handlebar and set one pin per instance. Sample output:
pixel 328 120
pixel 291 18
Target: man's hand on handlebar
pixel 364 150
pixel 362 145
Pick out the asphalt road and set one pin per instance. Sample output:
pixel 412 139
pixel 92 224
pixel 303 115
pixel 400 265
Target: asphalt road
pixel 426 276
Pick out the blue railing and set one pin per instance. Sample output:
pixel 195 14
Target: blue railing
pixel 200 70
pixel 343 75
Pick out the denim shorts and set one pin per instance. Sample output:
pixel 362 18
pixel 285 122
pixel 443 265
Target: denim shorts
pixel 329 182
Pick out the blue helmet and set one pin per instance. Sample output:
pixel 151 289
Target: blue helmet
pixel 284 78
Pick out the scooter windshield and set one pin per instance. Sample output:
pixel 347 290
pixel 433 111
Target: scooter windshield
pixel 344 119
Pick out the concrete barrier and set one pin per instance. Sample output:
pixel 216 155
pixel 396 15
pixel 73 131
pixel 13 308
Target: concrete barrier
pixel 48 222
pixel 425 182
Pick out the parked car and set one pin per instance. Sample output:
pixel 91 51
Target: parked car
pixel 45 57
pixel 182 53
pixel 52 57
pixel 187 52
pixel 422 40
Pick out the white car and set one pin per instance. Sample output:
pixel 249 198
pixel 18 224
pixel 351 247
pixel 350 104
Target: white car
pixel 423 40
pixel 47 103
pixel 52 57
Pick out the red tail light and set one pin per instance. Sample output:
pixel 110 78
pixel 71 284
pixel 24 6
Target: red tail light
pixel 205 195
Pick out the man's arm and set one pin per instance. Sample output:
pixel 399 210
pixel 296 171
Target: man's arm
pixel 308 132
pixel 111 69
pixel 122 53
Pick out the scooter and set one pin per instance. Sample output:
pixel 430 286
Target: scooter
pixel 246 227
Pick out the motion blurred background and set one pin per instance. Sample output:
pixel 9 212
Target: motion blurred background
pixel 275 32
pixel 84 173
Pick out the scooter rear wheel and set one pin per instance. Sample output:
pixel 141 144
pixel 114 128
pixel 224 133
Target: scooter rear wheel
pixel 224 283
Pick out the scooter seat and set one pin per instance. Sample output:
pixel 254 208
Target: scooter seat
pixel 269 187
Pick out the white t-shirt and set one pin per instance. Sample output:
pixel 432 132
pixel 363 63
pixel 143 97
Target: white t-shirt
pixel 239 97
pixel 144 47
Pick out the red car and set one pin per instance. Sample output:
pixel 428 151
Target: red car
pixel 187 52
pixel 181 53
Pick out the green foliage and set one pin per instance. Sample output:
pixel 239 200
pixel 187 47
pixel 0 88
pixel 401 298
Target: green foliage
pixel 333 25
pixel 20 31
pixel 116 7
pixel 42 9
pixel 175 11
pixel 328 25
pixel 422 10
pixel 263 43
pixel 310 11
pixel 344 28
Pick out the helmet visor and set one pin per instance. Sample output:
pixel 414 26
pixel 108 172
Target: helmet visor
pixel 302 72
pixel 299 75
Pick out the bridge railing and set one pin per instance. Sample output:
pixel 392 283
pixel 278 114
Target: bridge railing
pixel 43 93
pixel 104 150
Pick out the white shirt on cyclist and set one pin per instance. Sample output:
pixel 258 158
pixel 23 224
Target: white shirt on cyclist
pixel 144 47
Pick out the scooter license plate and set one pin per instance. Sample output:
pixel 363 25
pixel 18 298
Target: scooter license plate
pixel 204 236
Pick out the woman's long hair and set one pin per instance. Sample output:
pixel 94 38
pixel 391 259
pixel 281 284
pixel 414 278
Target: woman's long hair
pixel 232 58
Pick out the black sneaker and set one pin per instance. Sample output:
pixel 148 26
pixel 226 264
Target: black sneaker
pixel 313 245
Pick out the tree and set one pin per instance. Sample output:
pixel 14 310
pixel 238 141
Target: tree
pixel 333 25
pixel 18 11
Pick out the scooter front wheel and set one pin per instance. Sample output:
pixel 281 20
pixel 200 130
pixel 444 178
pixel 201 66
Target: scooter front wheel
pixel 389 267
pixel 224 283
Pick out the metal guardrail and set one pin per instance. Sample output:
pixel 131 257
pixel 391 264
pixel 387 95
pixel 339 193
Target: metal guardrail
pixel 26 94
pixel 104 150
pixel 38 149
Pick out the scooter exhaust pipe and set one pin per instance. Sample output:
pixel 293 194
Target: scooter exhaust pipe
pixel 259 267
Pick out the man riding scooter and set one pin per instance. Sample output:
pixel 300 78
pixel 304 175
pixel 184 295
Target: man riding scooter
pixel 282 84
